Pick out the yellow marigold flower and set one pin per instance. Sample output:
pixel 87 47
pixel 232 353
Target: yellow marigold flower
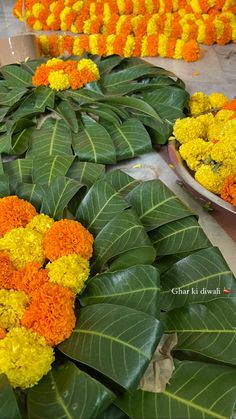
pixel 110 44
pixel 228 131
pixel 50 19
pixel 162 45
pixel 129 46
pixel 223 115
pixel 77 6
pixel 23 246
pixel 53 61
pixel 93 44
pixel 44 43
pixel 144 48
pixel 77 49
pixel 201 31
pixel 40 223
pixel 52 6
pixel 206 119
pixel 38 26
pixel 12 307
pixel 214 131
pixel 70 271
pixel 121 6
pixel 195 152
pixel 211 180
pixel 89 65
pixel 24 357
pixel 64 13
pixel 199 103
pixel 224 151
pixel 188 129
pixel 178 55
pixel 217 100
pixel 58 80
pixel 149 6
pixel 36 9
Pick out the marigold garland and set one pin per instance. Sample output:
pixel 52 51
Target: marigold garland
pixel 62 75
pixel 37 303
pixel 208 143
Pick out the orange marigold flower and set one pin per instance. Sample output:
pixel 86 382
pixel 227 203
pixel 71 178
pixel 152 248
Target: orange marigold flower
pixel 2 333
pixel 51 313
pixel 14 213
pixel 30 278
pixel 191 51
pixel 231 105
pixel 66 237
pixel 41 76
pixel 6 271
pixel 228 191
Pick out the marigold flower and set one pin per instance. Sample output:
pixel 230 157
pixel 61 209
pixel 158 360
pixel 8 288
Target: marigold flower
pixel 191 51
pixel 217 100
pixel 69 271
pixel 40 77
pixel 14 212
pixel 228 191
pixel 23 246
pixel 228 131
pixel 2 333
pixel 223 115
pixel 89 65
pixel 24 357
pixel 224 151
pixel 58 80
pixel 199 103
pixel 66 237
pixel 12 307
pixel 6 271
pixel 188 129
pixel 30 278
pixel 40 223
pixel 210 179
pixel 195 152
pixel 230 105
pixel 51 313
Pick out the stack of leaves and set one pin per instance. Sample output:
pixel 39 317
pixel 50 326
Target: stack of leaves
pixel 130 28
pixel 112 119
pixel 208 143
pixel 37 303
pixel 148 247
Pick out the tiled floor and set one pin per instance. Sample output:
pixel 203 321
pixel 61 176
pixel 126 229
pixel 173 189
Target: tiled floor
pixel 215 71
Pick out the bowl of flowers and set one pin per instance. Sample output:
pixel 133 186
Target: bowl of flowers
pixel 203 150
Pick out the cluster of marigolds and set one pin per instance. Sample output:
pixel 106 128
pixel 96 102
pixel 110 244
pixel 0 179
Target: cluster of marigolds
pixel 62 75
pixel 43 265
pixel 208 143
pixel 169 28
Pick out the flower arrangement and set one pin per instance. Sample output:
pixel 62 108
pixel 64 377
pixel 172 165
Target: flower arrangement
pixel 43 265
pixel 208 142
pixel 63 75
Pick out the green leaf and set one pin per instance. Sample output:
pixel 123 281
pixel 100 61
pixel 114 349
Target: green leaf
pixel 136 287
pixel 31 192
pixel 112 412
pixel 5 143
pixel 20 170
pixel 3 112
pixel 114 340
pixel 123 233
pixel 46 169
pixel 100 205
pixel 67 113
pixel 108 63
pixel 52 139
pixel 16 76
pixel 58 196
pixel 133 104
pixel 67 393
pixel 44 97
pixel 93 143
pixel 82 96
pixel 122 182
pixel 205 329
pixel 156 205
pixel 205 269
pixel 20 141
pixel 4 185
pixel 12 96
pixel 130 138
pixel 102 111
pixel 86 173
pixel 165 262
pixel 27 107
pixel 196 390
pixel 8 404
pixel 179 236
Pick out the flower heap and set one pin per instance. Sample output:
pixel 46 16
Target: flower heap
pixel 61 75
pixel 170 28
pixel 208 143
pixel 43 265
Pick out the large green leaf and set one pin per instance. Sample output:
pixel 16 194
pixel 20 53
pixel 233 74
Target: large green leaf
pixel 133 104
pixel 20 141
pixel 52 139
pixel 8 404
pixel 93 143
pixel 44 97
pixel 19 170
pixel 46 169
pixel 136 287
pixel 82 96
pixel 4 185
pixel 67 113
pixel 123 233
pixel 58 195
pixel 122 182
pixel 179 236
pixel 99 206
pixel 12 96
pixel 196 390
pixel 130 138
pixel 156 205
pixel 31 192
pixel 67 393
pixel 16 76
pixel 114 340
pixel 86 173
pixel 206 329
pixel 3 112
pixel 202 270
pixel 5 143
